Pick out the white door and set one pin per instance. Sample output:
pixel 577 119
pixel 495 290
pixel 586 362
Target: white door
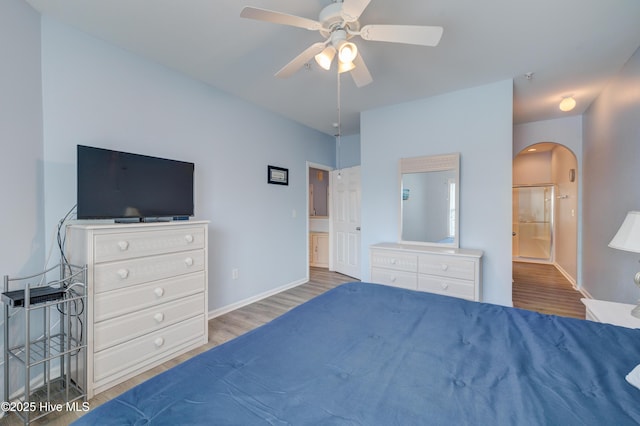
pixel 345 219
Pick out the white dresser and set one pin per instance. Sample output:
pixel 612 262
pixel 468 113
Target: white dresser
pixel 147 295
pixel 449 271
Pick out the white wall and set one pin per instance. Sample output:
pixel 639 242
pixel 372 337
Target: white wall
pixel 99 95
pixel 611 185
pixel 22 251
pixel 477 123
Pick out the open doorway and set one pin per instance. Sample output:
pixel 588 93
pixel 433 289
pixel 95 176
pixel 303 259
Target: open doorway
pixel 545 207
pixel 318 214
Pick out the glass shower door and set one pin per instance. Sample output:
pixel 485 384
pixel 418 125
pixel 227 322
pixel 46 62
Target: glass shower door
pixel 533 222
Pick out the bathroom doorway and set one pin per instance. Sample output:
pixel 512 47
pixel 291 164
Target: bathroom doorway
pixel 545 207
pixel 318 213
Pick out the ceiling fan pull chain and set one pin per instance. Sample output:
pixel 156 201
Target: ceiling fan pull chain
pixel 338 147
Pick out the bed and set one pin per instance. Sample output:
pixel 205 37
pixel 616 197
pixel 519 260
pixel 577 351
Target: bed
pixel 367 354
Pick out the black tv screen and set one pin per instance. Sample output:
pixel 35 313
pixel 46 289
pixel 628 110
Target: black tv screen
pixel 114 184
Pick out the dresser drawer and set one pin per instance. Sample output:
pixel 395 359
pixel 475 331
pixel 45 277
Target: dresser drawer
pixel 394 260
pixel 115 275
pixel 115 303
pixel 395 278
pixel 132 355
pixel 447 266
pixel 109 333
pixel 447 286
pixel 127 245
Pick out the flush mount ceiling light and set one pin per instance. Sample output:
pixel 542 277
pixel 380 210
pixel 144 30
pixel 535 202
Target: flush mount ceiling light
pixel 567 103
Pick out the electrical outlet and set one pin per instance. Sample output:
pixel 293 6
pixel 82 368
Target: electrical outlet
pixel 234 273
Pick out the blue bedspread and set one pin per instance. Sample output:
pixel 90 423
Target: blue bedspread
pixel 366 354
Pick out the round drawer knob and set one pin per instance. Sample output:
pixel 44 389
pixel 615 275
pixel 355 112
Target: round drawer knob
pixel 159 291
pixel 393 261
pixel 188 238
pixel 123 273
pixel 123 245
pixel 159 317
pixel 159 341
pixel 445 266
pixel 188 261
pixel 444 286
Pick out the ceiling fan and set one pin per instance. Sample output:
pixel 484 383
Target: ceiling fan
pixel 338 23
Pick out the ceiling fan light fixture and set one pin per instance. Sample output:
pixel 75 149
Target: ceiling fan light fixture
pixel 345 66
pixel 325 57
pixel 567 103
pixel 347 52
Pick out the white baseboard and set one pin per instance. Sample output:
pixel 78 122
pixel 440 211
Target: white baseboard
pixel 585 293
pixel 566 275
pixel 232 307
pixel 573 282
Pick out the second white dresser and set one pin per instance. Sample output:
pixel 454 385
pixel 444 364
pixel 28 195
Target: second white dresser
pixel 147 295
pixel 449 271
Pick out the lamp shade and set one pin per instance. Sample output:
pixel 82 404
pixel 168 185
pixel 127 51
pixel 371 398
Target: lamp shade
pixel 345 66
pixel 325 57
pixel 628 236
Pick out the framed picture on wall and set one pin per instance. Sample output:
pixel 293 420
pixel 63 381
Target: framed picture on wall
pixel 277 175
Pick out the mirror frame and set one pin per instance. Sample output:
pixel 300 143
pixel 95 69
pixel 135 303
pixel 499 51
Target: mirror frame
pixel 431 163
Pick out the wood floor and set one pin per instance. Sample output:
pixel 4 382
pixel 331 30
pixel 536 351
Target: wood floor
pixel 537 287
pixel 542 288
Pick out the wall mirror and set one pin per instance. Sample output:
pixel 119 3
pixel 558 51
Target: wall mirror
pixel 429 200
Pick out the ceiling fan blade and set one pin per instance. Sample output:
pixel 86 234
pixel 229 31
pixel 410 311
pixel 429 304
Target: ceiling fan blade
pixel 409 34
pixel 360 74
pixel 279 18
pixel 352 9
pixel 300 60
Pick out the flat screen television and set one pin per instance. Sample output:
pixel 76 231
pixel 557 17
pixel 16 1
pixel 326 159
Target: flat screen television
pixel 122 185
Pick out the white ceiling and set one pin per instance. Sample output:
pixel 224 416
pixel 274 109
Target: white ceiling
pixel 571 46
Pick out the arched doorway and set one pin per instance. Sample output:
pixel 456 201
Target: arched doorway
pixel 545 207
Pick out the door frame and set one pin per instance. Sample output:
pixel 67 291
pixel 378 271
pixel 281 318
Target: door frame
pixel 312 165
pixel 563 194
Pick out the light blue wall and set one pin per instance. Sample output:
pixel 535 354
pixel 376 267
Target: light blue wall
pixel 477 123
pixel 99 95
pixel 611 185
pixel 348 152
pixel 22 245
pixel 566 131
